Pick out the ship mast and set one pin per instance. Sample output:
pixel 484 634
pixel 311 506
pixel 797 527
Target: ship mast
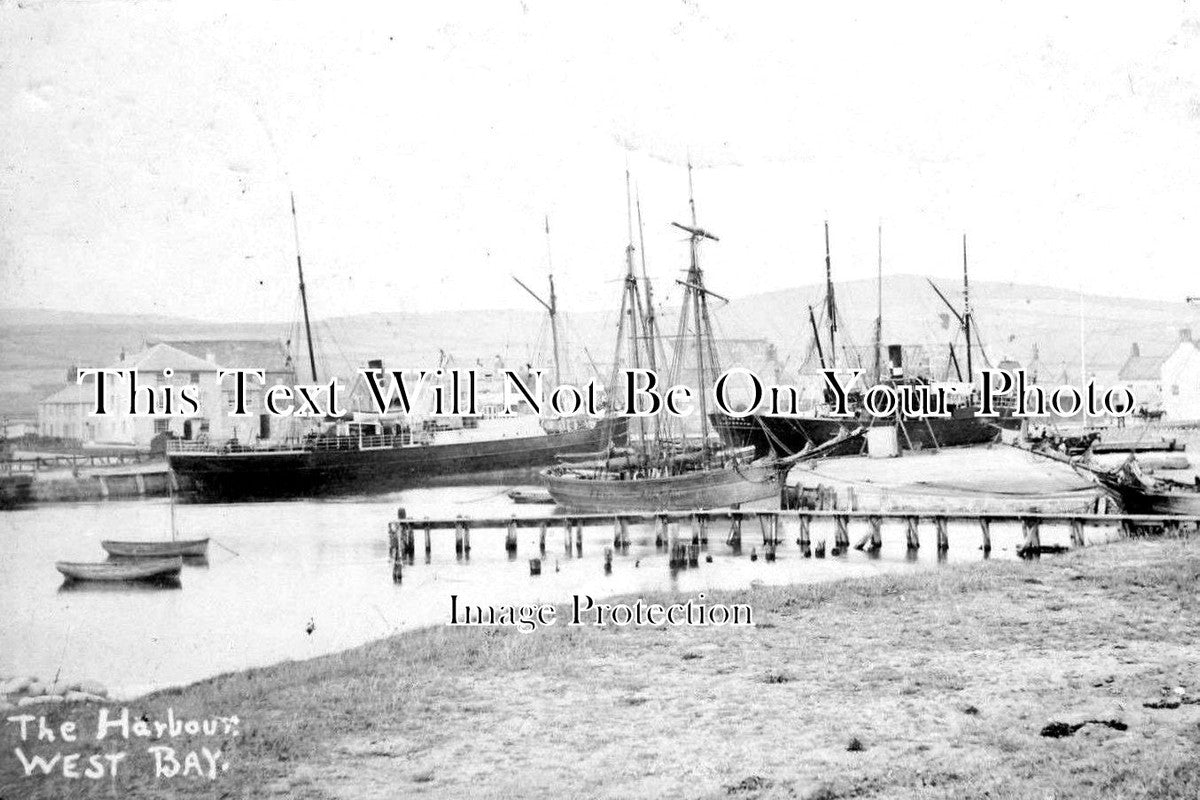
pixel 830 303
pixel 551 306
pixel 636 325
pixel 966 316
pixel 312 359
pixel 879 309
pixel 697 296
pixel 649 318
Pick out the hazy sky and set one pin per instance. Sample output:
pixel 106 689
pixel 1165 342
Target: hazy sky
pixel 147 149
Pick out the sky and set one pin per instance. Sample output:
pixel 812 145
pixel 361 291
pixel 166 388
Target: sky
pixel 148 149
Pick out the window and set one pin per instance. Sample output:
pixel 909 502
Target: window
pixel 160 425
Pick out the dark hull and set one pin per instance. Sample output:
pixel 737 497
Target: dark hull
pixel 253 475
pixel 784 436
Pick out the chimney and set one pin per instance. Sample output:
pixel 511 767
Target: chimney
pixel 1135 351
pixel 1185 334
pixel 72 374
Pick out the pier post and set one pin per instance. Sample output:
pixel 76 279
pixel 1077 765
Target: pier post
pixel 542 538
pixel 735 529
pixel 985 527
pixel 703 520
pixel 567 535
pixel 769 551
pixel 911 525
pixel 841 534
pixel 510 536
pixel 466 539
pixel 397 570
pixel 943 536
pixel 662 530
pixel 140 480
pixel 805 538
pixel 535 566
pixel 693 555
pixel 819 550
pixel 1032 542
pixel 393 540
pixel 851 498
pixel 428 538
pixel 1077 538
pixel 620 532
pixel 578 537
pixel 459 527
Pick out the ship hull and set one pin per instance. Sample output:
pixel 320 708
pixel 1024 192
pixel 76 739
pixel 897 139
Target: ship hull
pixel 713 488
pixel 254 475
pixel 784 435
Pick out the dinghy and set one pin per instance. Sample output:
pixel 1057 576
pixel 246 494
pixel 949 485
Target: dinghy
pixel 145 570
pixel 191 548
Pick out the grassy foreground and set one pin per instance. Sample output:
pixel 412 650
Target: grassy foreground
pixel 931 685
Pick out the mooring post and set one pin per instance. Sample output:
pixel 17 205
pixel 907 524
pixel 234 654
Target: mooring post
pixel 703 520
pixel 693 555
pixel 819 550
pixel 985 527
pixel 510 537
pixel 662 530
pixel 1077 538
pixel 579 537
pixel 428 538
pixel 397 570
pixel 735 528
pixel 875 523
pixel 769 551
pixel 943 537
pixel 622 532
pixel 608 556
pixel 805 540
pixel 542 538
pixel 459 536
pixel 911 525
pixel 535 566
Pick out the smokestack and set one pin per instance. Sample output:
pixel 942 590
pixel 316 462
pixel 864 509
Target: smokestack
pixel 72 374
pixel 1135 351
pixel 1185 334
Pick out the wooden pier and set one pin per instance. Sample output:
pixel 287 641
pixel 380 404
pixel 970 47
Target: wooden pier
pixel 681 531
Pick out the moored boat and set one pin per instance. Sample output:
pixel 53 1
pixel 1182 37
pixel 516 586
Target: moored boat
pixel 191 548
pixel 110 571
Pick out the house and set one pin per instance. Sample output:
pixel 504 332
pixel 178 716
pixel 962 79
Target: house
pixel 1180 377
pixel 65 414
pixel 1142 375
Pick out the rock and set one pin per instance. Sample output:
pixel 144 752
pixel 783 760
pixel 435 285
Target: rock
pixel 36 689
pixel 83 697
pixel 43 699
pixel 91 687
pixel 15 685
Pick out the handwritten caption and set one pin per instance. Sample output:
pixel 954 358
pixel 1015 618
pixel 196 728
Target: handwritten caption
pixel 175 746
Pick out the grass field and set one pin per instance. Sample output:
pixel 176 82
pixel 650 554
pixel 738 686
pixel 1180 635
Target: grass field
pixel 937 684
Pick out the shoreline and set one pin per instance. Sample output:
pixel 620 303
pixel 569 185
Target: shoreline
pixel 931 684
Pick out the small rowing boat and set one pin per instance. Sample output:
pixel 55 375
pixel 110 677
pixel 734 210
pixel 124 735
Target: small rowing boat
pixel 180 547
pixel 147 570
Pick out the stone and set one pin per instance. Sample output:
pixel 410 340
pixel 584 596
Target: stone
pixel 92 687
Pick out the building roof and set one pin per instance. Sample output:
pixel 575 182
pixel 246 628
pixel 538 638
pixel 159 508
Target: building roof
pixel 163 356
pixel 1142 366
pixel 265 354
pixel 74 393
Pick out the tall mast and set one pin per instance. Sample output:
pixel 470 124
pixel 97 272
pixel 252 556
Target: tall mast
pixel 648 318
pixel 830 303
pixel 879 308
pixel 553 308
pixel 634 305
pixel 967 312
pixel 312 359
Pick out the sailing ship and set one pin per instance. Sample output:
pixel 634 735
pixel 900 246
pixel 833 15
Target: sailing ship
pixel 384 452
pixel 1140 493
pixel 664 473
pixel 787 434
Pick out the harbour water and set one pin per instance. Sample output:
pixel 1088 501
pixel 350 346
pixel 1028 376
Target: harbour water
pixel 275 570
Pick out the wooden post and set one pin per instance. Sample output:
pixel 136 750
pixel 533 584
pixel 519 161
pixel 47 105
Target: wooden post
pixel 1077 538
pixel 428 539
pixel 542 538
pixel 459 533
pixel 735 529
pixel 393 540
pixel 851 498
pixel 805 540
pixel 1032 544
pixel 769 551
pixel 943 537
pixel 510 537
pixel 466 538
pixel 876 526
pixel 567 523
pixel 397 570
pixel 911 524
pixel 985 527
pixel 662 530
pixel 535 566
pixel 841 536
pixel 578 537
pixel 620 532
pixel 608 556
pixel 703 519
pixel 819 550
pixel 693 555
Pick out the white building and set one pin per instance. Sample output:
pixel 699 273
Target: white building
pixel 1181 379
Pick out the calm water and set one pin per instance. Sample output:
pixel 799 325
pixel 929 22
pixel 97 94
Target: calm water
pixel 274 567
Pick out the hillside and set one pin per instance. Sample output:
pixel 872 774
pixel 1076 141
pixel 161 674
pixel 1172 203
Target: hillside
pixel 37 347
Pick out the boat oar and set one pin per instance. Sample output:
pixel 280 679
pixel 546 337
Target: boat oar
pixel 223 547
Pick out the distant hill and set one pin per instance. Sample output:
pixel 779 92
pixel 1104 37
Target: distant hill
pixel 1013 320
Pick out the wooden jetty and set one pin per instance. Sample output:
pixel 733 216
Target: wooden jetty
pixel 772 523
